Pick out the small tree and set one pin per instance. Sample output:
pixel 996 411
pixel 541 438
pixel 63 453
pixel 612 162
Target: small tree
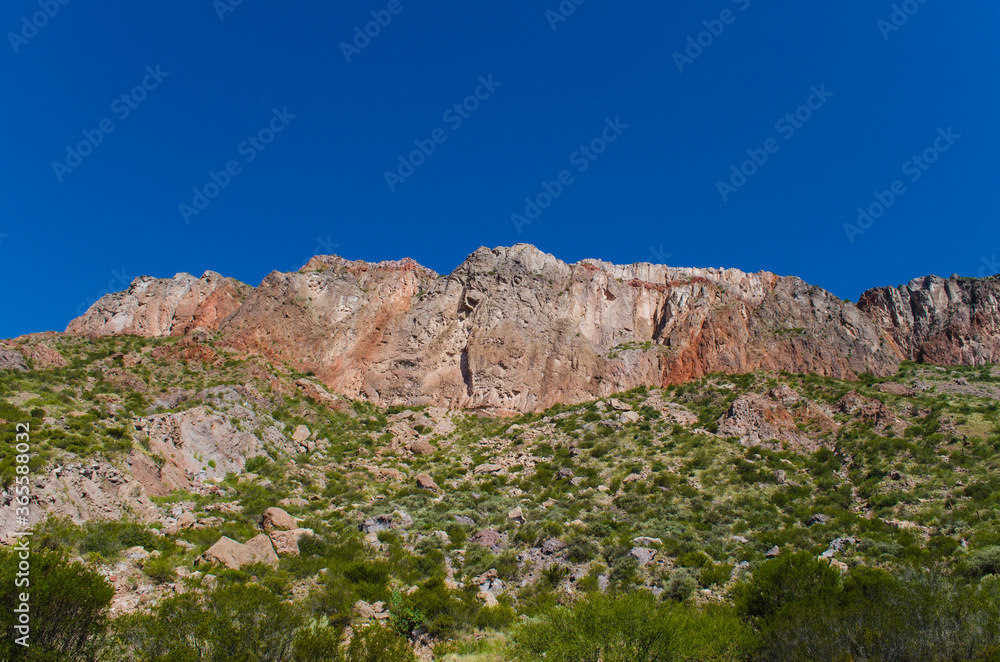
pixel 68 608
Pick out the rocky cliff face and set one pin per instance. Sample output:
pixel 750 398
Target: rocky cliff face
pixel 517 329
pixel 934 320
pixel 153 307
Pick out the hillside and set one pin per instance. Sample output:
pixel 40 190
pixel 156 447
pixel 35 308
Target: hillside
pixel 160 462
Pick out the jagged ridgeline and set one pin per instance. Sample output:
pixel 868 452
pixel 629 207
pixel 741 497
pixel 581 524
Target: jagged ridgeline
pixel 522 460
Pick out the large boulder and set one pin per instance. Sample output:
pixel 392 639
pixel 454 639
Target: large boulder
pixel 277 518
pixel 287 542
pixel 234 555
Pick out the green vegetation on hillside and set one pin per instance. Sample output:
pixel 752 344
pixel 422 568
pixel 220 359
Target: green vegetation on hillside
pixel 630 528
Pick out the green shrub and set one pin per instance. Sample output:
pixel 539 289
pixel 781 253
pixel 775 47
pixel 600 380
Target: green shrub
pixel 784 580
pixel 630 628
pixel 67 607
pixel 160 570
pixel 378 644
pixel 917 618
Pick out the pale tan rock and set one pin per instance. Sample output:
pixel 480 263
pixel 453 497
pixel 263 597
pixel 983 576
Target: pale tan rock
pixel 277 518
pixel 235 555
pixel 421 447
pixel 427 483
pixel 286 543
pixel 153 307
pixel 301 434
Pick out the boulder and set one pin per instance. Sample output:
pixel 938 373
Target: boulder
pixel 301 434
pixel 363 610
pixel 421 447
pixel 553 546
pixel 629 417
pixel 234 555
pixel 645 541
pixel 425 482
pixel 286 543
pixel 486 469
pixel 277 518
pixel 489 539
pixel 261 547
pixel 644 555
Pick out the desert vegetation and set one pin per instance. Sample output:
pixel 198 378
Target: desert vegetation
pixel 765 516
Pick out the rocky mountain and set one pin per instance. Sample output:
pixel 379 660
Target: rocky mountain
pixel 516 329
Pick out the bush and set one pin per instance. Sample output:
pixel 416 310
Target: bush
pixel 241 623
pixel 67 603
pixel 160 570
pixel 917 618
pixel 782 581
pixel 581 550
pixel 630 628
pixel 983 562
pixel 681 585
pixel 377 644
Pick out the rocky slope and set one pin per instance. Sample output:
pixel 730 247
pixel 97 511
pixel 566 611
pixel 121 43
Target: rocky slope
pixel 516 329
pixel 933 320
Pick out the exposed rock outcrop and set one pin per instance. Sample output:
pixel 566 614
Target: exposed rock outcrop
pixel 12 360
pixel 154 307
pixel 759 421
pixel 516 329
pixel 940 321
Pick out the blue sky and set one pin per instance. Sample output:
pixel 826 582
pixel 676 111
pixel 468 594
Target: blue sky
pixel 631 130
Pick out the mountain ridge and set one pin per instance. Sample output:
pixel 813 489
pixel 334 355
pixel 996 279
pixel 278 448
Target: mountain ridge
pixel 517 329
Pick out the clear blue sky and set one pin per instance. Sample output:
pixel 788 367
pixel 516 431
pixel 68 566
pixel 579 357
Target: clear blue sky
pixel 322 180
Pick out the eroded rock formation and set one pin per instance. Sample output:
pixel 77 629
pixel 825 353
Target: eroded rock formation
pixel 516 329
